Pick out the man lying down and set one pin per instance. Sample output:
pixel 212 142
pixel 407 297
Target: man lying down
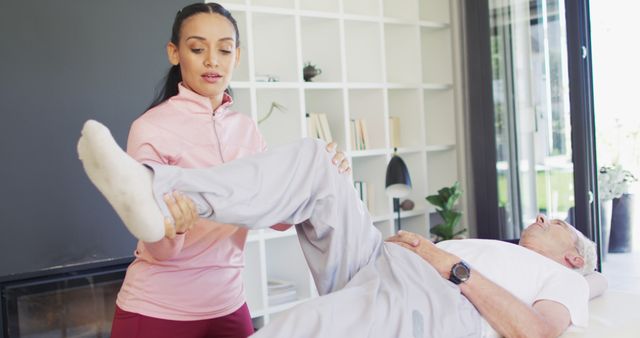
pixel 402 287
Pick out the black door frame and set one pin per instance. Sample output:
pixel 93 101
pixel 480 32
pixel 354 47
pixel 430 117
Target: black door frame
pixel 585 175
pixel 475 15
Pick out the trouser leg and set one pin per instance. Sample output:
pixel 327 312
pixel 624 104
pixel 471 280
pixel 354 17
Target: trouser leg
pixel 295 184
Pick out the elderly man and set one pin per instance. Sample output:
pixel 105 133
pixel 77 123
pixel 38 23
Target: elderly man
pixel 368 287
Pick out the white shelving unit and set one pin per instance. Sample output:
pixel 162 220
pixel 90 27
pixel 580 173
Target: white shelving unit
pixel 379 59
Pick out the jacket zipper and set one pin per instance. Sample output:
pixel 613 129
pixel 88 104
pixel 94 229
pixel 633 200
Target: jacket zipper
pixel 215 132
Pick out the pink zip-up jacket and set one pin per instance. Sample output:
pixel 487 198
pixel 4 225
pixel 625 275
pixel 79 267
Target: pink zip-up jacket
pixel 197 275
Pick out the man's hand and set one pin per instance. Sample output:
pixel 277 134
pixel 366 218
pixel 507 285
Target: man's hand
pixel 441 260
pixel 184 213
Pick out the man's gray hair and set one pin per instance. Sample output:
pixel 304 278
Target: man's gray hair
pixel 587 249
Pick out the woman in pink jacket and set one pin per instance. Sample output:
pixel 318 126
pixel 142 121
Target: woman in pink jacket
pixel 189 284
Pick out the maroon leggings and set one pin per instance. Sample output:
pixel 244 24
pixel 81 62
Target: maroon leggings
pixel 132 325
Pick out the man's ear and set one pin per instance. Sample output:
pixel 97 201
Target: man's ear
pixel 172 54
pixel 573 259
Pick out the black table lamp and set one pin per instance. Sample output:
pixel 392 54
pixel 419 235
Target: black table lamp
pixel 397 183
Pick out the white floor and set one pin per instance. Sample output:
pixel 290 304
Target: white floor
pixel 623 271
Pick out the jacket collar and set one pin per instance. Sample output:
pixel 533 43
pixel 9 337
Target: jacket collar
pixel 199 104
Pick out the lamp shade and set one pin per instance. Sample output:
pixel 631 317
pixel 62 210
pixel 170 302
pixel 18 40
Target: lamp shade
pixel 398 181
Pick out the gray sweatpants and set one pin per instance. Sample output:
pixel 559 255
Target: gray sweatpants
pixel 367 287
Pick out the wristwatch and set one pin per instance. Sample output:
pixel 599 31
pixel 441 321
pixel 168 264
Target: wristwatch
pixel 460 272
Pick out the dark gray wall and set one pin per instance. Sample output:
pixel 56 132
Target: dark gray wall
pixel 62 62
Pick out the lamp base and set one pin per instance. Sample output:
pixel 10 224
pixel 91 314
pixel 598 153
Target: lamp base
pixel 396 208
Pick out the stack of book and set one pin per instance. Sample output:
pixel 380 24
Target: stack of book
pixel 281 292
pixel 359 135
pixel 365 192
pixel 318 125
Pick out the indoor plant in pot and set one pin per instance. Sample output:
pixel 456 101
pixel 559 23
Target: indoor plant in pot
pixel 445 201
pixel 617 211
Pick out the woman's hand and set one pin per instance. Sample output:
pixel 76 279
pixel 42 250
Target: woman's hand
pixel 441 260
pixel 184 213
pixel 339 158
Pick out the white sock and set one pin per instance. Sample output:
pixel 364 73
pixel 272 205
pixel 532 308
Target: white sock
pixel 125 183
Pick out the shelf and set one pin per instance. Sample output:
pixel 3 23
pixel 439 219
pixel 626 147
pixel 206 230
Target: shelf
pixel 274 40
pixel 319 36
pixel 366 153
pixel 406 214
pixel 253 278
pixel 363 52
pixel 266 4
pixel 401 9
pixel 240 84
pixel 402 51
pixel 326 6
pixel 442 170
pixel 331 103
pixel 241 72
pixel 435 10
pixel 282 126
pixel 437 86
pixel 368 105
pixel 282 255
pixel 439 114
pixel 277 85
pixel 373 170
pixel 365 8
pixel 254 235
pixel 242 101
pixel 404 104
pixel 436 56
pixel 323 85
pixel 417 167
pixel 433 25
pixel 437 148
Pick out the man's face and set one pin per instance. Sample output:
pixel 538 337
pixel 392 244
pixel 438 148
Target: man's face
pixel 551 238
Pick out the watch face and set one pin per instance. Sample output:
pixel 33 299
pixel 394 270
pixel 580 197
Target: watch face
pixel 461 272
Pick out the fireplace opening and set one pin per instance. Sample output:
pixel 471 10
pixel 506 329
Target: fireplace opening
pixel 78 304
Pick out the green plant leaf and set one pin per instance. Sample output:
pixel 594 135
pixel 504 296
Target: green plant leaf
pixel 436 200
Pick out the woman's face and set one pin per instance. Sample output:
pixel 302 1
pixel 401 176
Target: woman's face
pixel 207 54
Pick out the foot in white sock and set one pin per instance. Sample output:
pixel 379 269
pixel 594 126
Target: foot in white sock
pixel 125 183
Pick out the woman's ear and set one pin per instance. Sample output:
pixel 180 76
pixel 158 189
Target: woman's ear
pixel 172 54
pixel 574 260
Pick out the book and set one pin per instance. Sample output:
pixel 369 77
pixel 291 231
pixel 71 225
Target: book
pixel 281 291
pixel 364 134
pixel 312 128
pixel 324 127
pixel 358 134
pixel 394 131
pixel 354 134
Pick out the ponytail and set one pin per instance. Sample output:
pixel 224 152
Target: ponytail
pixel 170 88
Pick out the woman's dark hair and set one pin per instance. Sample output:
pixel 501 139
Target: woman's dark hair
pixel 174 77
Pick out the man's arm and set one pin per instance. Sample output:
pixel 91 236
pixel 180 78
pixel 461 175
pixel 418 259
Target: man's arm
pixel 510 316
pixel 507 314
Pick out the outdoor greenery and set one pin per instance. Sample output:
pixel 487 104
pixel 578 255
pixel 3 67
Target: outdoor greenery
pixel 561 181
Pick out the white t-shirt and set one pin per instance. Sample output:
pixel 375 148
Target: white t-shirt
pixel 526 274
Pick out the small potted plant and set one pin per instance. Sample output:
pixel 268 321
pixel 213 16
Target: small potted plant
pixel 614 183
pixel 445 201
